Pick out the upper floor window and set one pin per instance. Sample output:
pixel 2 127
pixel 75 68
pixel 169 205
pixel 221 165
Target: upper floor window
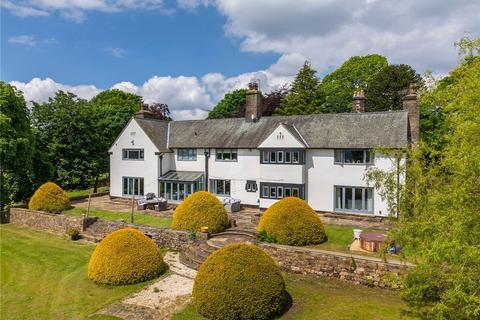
pixel 187 154
pixel 283 156
pixel 132 154
pixel 354 156
pixel 226 155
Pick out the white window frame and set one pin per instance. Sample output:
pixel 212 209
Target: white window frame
pixel 297 154
pixel 339 157
pixel 214 183
pixel 187 154
pixel 223 152
pixel 138 184
pixel 353 189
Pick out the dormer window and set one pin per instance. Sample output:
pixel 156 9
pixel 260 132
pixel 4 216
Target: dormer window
pixel 353 156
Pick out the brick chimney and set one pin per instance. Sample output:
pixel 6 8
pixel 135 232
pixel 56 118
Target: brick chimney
pixel 253 107
pixel 410 105
pixel 144 113
pixel 358 101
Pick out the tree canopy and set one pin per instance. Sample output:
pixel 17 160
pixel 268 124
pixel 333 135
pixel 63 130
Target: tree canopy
pixel 357 72
pixel 440 222
pixel 230 105
pixel 386 89
pixel 16 146
pixel 304 96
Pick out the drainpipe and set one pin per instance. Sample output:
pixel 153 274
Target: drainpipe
pixel 160 164
pixel 207 156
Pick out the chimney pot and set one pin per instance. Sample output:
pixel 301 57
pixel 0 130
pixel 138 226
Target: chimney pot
pixel 358 101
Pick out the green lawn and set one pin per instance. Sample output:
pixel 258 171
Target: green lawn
pixel 339 238
pixel 139 218
pixel 332 299
pixel 43 276
pixel 84 192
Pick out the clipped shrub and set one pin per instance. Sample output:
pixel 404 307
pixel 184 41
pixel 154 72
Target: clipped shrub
pixel 293 222
pixel 49 197
pixel 239 281
pixel 125 256
pixel 200 209
pixel 73 233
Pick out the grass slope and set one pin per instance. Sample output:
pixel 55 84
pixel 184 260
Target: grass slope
pixel 84 192
pixel 330 299
pixel 44 276
pixel 339 238
pixel 139 218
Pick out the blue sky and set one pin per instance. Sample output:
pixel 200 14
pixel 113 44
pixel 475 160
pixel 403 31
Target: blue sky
pixel 189 53
pixel 108 48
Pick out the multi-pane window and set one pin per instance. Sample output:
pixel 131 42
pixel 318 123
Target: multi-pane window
pixel 226 155
pixel 354 199
pixel 281 190
pixel 251 186
pixel 220 187
pixel 132 186
pixel 132 154
pixel 187 154
pixel 283 156
pixel 354 156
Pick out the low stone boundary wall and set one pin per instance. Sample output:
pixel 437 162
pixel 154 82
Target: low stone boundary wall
pixel 98 228
pixel 368 271
pixel 57 223
pixel 163 237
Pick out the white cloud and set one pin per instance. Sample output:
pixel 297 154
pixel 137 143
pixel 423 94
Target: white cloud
pixel 25 40
pixel 327 32
pixel 75 10
pixel 39 90
pixel 115 52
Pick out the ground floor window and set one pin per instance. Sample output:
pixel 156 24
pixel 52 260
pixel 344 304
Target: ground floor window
pixel 132 186
pixel 220 187
pixel 178 190
pixel 281 190
pixel 251 186
pixel 355 199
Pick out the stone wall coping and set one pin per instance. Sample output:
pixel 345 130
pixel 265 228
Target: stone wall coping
pixel 337 254
pixel 45 213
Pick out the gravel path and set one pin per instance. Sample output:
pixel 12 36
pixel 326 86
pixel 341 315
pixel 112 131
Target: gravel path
pixel 161 299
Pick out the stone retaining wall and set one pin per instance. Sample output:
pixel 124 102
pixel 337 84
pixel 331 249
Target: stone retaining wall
pixel 57 223
pixel 165 238
pixel 352 268
pixel 98 228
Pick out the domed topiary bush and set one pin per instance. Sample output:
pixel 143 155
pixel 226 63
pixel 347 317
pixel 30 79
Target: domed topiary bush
pixel 239 281
pixel 201 209
pixel 125 256
pixel 49 197
pixel 293 222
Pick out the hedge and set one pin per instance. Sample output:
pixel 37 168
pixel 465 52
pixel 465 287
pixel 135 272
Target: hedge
pixel 49 197
pixel 125 256
pixel 239 281
pixel 293 222
pixel 200 209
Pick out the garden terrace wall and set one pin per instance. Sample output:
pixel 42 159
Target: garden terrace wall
pixel 352 268
pixel 163 237
pixel 57 223
pixel 98 228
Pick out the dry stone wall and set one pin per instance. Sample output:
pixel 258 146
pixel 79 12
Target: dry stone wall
pixel 57 223
pixel 352 268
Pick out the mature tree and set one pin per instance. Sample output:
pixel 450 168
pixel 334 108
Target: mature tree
pixel 65 126
pixel 111 111
pixel 388 86
pixel 230 106
pixel 159 111
pixel 16 146
pixel 304 96
pixel 356 72
pixel 273 100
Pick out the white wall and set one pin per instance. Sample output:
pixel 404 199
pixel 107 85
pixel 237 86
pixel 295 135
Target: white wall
pixel 146 169
pixel 281 138
pixel 323 175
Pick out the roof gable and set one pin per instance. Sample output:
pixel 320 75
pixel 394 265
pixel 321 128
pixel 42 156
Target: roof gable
pixel 283 136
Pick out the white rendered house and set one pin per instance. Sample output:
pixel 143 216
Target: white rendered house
pixel 259 160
